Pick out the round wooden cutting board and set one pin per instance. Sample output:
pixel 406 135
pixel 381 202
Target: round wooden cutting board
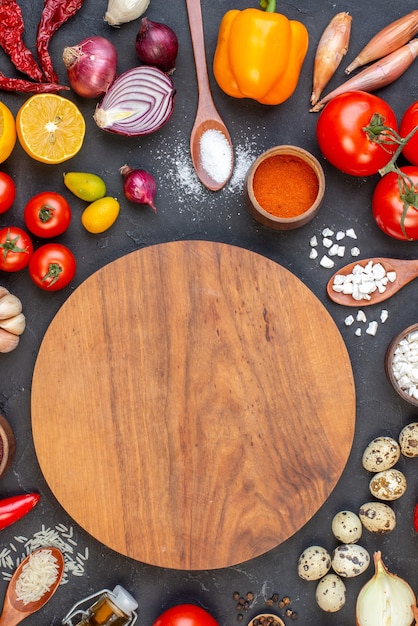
pixel 193 405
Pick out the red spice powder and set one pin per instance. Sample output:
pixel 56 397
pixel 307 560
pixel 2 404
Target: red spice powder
pixel 285 185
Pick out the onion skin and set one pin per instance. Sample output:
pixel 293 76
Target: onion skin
pixel 157 44
pixel 91 66
pixel 139 186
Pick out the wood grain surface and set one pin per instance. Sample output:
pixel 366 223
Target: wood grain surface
pixel 193 405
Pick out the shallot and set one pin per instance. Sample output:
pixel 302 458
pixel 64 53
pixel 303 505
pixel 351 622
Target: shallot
pixel 139 102
pixel 377 75
pixel 332 46
pixel 91 66
pixel 157 44
pixel 139 186
pixel 389 39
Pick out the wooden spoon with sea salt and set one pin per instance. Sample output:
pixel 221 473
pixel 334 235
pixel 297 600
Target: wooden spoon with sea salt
pixel 399 273
pixel 210 142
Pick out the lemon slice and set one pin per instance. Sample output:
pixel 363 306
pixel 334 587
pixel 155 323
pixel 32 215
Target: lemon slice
pixel 50 128
pixel 7 132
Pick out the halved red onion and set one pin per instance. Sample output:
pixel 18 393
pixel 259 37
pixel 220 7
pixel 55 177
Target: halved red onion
pixel 139 102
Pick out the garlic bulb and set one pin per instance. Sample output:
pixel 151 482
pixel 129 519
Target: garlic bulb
pixel 12 320
pixel 122 11
pixel 385 600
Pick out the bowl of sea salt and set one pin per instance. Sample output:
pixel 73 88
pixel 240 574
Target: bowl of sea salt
pixel 401 364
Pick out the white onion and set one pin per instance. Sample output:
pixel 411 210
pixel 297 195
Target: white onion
pixel 139 102
pixel 91 66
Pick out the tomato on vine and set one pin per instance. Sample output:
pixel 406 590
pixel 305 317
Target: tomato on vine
pixel 16 249
pixel 395 203
pixel 47 214
pixel 408 123
pixel 7 192
pixel 354 133
pixel 52 266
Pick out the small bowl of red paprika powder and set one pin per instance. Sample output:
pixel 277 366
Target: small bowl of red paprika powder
pixel 284 187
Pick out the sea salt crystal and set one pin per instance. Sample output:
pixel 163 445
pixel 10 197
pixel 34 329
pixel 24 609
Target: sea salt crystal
pixel 340 235
pixel 372 328
pixel 384 314
pixel 313 253
pixel 355 251
pixel 351 233
pixel 349 320
pixel 326 262
pixel 361 317
pixel 216 155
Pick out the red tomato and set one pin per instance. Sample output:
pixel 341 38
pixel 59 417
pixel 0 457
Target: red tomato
pixel 16 249
pixel 388 204
pixel 7 192
pixel 341 137
pixel 52 266
pixel 408 123
pixel 47 214
pixel 185 615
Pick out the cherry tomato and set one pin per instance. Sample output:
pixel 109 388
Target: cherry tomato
pixel 388 205
pixel 52 266
pixel 185 615
pixel 408 123
pixel 341 137
pixel 47 214
pixel 7 192
pixel 16 249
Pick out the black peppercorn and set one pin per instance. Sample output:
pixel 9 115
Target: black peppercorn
pixel 236 595
pixel 275 597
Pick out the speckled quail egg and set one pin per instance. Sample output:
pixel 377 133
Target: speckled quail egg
pixel 377 517
pixel 382 453
pixel 330 593
pixel 350 560
pixel 346 527
pixel 314 562
pixel 388 485
pixel 408 439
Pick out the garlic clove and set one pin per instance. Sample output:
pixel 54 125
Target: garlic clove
pixel 8 341
pixel 3 291
pixel 122 11
pixel 15 325
pixel 10 305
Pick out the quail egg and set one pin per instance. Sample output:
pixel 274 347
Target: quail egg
pixel 330 593
pixel 382 453
pixel 314 562
pixel 349 560
pixel 388 485
pixel 408 439
pixel 346 527
pixel 377 517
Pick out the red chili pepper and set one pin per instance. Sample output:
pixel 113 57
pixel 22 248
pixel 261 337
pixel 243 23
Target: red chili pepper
pixel 26 86
pixel 15 507
pixel 11 40
pixel 416 518
pixel 54 14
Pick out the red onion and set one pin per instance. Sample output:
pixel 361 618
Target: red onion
pixel 91 66
pixel 157 44
pixel 139 186
pixel 139 102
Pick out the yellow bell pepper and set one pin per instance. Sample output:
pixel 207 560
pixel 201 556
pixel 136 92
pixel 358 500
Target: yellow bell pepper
pixel 259 54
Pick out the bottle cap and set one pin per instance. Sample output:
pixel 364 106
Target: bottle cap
pixel 124 600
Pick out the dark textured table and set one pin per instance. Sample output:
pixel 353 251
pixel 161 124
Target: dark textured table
pixel 188 211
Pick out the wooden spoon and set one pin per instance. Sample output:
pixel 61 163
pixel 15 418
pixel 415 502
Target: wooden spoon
pixel 406 270
pixel 207 116
pixel 14 610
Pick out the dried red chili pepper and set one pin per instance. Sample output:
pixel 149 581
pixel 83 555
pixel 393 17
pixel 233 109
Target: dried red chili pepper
pixel 25 86
pixel 54 14
pixel 416 518
pixel 14 508
pixel 11 40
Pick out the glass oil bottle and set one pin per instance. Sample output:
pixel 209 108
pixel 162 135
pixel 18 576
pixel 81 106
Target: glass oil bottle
pixel 109 608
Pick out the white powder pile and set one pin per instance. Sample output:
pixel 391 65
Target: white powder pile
pixel 37 576
pixel 216 155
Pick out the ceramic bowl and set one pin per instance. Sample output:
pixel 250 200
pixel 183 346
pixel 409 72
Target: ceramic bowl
pixel 307 213
pixel 266 619
pixel 389 365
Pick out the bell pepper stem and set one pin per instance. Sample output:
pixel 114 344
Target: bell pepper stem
pixel 268 5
